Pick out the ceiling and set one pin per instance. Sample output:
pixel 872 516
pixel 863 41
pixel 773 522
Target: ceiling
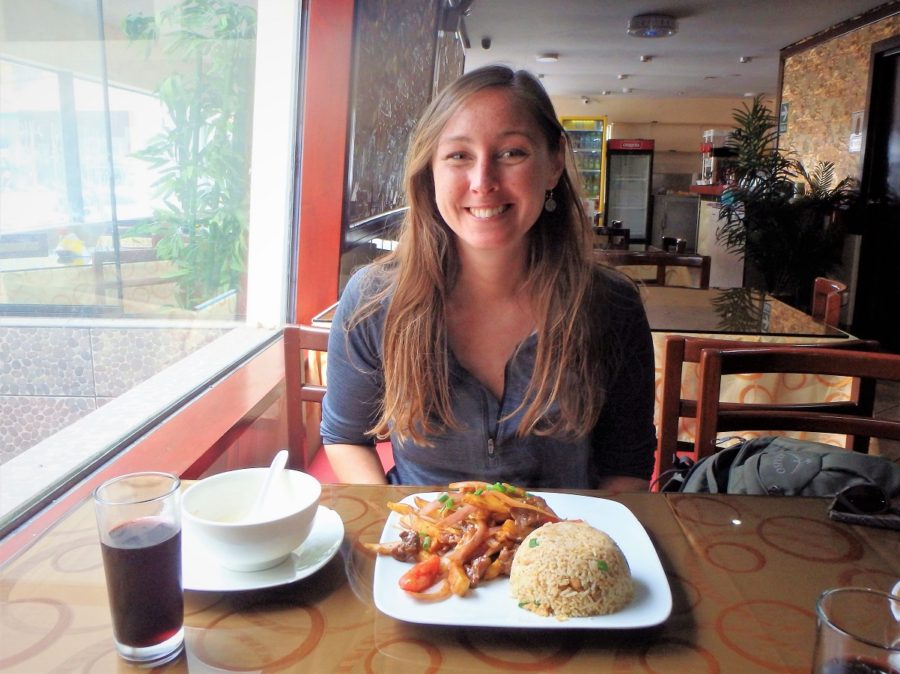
pixel 701 60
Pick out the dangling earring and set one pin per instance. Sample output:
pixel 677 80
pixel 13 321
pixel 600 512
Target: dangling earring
pixel 550 202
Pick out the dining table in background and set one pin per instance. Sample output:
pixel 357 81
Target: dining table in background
pixel 744 571
pixel 743 315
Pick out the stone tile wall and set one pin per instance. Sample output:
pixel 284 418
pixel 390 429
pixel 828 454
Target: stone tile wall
pixel 53 376
pixel 823 86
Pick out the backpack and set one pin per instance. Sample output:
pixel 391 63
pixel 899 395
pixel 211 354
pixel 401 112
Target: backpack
pixel 780 466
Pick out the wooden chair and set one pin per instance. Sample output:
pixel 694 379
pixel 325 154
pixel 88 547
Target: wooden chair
pixel 659 259
pixel 674 407
pixel 305 348
pixel 104 260
pixel 828 296
pixel 305 356
pixel 713 416
pixel 612 238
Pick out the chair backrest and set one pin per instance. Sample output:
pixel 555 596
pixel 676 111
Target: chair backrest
pixel 612 238
pixel 672 244
pixel 305 347
pixel 827 299
pixel 674 407
pixel 659 259
pixel 866 367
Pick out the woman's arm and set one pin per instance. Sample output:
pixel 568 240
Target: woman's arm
pixel 356 464
pixel 622 483
pixel 625 437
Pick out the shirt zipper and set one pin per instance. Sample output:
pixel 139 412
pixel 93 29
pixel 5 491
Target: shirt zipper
pixel 490 447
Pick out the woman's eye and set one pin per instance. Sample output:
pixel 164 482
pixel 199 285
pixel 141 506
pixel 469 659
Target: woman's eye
pixel 455 156
pixel 514 153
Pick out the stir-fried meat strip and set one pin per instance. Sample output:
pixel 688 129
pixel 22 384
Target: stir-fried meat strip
pixel 526 519
pixel 408 548
pixel 476 569
pixel 505 557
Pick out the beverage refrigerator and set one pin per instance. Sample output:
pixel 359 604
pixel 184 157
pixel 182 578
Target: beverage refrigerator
pixel 629 171
pixel 587 136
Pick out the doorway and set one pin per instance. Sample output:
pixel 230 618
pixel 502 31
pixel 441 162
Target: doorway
pixel 877 314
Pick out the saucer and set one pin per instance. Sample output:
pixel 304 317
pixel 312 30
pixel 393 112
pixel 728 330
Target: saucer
pixel 201 571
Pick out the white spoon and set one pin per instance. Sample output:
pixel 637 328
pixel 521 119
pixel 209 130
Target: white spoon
pixel 275 469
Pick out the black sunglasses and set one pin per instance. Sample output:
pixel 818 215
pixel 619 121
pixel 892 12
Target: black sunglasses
pixel 862 499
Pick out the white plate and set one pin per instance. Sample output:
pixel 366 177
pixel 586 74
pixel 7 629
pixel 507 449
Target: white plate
pixel 491 605
pixel 201 571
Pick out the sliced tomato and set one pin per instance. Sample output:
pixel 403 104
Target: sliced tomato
pixel 421 576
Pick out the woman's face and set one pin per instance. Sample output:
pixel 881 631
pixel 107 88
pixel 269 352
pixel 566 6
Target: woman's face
pixel 491 171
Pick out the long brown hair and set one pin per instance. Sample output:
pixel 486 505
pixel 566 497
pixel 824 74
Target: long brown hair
pixel 416 278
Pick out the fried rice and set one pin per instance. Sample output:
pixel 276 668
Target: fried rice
pixel 570 569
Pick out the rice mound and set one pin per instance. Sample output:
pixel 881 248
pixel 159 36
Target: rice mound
pixel 570 569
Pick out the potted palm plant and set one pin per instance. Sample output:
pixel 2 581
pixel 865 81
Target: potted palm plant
pixel 785 221
pixel 202 156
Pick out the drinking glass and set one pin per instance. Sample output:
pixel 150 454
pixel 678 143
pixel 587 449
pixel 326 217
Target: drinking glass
pixel 139 520
pixel 858 632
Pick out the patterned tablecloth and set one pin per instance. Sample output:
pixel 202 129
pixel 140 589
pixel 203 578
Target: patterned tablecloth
pixel 744 572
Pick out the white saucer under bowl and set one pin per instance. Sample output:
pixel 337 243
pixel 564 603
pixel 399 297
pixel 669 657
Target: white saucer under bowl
pixel 202 571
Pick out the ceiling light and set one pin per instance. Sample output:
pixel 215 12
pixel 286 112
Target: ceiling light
pixel 745 59
pixel 548 57
pixel 645 58
pixel 626 90
pixel 622 76
pixel 605 92
pixel 652 25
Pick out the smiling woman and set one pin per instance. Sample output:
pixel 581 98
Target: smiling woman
pixel 494 255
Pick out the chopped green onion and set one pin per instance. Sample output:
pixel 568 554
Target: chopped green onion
pixel 443 498
pixel 522 604
pixel 426 543
pixel 602 565
pixel 479 491
pixel 497 486
pixel 533 543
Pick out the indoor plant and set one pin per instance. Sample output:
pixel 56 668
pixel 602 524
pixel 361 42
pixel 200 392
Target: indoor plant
pixel 202 155
pixel 785 221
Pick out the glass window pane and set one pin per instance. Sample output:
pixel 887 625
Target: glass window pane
pixel 127 129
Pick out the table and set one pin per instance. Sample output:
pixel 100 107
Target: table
pixel 747 316
pixel 661 267
pixel 744 571
pixel 729 311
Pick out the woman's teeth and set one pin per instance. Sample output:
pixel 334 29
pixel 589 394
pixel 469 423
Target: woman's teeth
pixel 487 212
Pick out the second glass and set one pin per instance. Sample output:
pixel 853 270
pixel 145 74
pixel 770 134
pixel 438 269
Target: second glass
pixel 858 632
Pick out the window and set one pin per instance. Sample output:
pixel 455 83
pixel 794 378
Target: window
pixel 138 260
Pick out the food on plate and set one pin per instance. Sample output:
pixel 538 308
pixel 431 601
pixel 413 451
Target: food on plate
pixel 570 569
pixel 465 536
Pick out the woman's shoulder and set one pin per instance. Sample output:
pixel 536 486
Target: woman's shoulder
pixel 613 289
pixel 364 284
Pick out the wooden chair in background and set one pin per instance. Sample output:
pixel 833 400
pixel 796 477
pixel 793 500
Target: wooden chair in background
pixel 828 296
pixel 674 407
pixel 714 416
pixel 661 260
pixel 612 238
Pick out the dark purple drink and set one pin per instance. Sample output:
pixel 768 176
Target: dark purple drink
pixel 856 665
pixel 142 561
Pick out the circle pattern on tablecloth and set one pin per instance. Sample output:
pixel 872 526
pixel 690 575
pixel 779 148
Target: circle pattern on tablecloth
pixel 809 539
pixel 785 633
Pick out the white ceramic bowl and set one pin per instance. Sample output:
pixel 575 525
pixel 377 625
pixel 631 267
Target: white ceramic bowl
pixel 215 512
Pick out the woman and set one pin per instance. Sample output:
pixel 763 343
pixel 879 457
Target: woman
pixel 488 345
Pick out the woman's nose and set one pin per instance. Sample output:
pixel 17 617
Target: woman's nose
pixel 484 176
